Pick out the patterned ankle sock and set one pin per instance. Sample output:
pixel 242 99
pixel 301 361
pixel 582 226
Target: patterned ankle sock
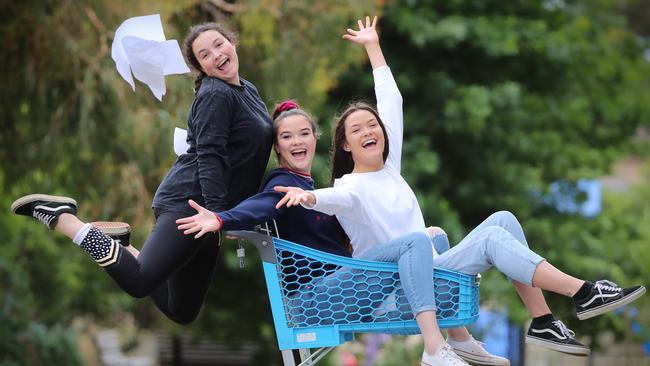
pixel 101 247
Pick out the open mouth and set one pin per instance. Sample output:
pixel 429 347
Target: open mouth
pixel 369 143
pixel 223 64
pixel 299 153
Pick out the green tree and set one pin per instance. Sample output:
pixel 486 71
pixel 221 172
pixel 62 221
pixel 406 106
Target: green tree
pixel 501 100
pixel 72 126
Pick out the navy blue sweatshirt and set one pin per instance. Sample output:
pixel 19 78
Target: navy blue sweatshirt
pixel 230 134
pixel 297 224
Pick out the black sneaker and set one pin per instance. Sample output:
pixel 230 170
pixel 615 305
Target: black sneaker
pixel 44 208
pixel 120 232
pixel 556 336
pixel 606 296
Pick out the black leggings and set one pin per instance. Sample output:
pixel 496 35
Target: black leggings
pixel 175 269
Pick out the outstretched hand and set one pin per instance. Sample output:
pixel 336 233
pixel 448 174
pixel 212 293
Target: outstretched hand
pixel 367 34
pixel 203 222
pixel 294 196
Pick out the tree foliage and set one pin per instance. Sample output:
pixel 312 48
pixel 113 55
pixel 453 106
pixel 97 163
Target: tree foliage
pixel 501 100
pixel 72 126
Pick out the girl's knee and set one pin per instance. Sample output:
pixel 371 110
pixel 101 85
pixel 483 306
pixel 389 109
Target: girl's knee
pixel 139 292
pixel 438 238
pixel 496 236
pixel 434 231
pixel 504 216
pixel 419 242
pixel 495 230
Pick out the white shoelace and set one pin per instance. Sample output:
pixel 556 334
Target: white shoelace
pixel 43 217
pixel 606 285
pixel 564 330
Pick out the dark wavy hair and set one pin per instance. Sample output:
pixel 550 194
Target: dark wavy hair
pixel 342 162
pixel 194 32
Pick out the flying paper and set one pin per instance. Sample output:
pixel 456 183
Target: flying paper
pixel 141 50
pixel 180 141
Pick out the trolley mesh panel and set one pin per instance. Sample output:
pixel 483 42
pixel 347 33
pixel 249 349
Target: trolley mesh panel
pixel 321 289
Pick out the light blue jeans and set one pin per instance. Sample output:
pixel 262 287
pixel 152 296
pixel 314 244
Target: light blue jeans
pixel 498 241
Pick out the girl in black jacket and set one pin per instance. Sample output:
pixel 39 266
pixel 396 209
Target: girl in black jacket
pixel 230 137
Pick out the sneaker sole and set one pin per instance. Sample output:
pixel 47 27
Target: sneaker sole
pixel 40 197
pixel 571 350
pixel 112 227
pixel 612 306
pixel 478 360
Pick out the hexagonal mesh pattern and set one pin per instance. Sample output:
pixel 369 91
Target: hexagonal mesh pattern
pixel 320 289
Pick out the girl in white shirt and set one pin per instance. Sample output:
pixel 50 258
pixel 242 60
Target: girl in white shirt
pixel 375 205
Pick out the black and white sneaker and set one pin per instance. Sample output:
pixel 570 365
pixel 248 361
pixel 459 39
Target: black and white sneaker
pixel 556 336
pixel 44 208
pixel 120 232
pixel 604 297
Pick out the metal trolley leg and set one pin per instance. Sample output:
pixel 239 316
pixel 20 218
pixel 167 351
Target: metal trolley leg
pixel 287 358
pixel 306 357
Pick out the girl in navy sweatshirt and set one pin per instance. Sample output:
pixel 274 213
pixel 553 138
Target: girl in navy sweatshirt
pixel 295 138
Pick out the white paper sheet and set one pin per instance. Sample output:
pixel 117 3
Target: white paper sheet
pixel 140 49
pixel 180 141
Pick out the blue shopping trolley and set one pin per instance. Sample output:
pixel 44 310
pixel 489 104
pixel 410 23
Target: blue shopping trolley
pixel 320 300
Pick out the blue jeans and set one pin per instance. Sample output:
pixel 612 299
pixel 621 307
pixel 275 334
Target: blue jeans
pixel 351 295
pixel 497 242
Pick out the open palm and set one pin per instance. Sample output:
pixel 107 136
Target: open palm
pixel 203 222
pixel 366 34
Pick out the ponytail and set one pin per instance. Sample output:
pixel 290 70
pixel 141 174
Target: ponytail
pixel 198 81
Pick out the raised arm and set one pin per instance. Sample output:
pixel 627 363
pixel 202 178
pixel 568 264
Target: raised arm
pixel 389 99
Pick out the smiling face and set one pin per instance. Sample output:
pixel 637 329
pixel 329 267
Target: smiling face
pixel 364 139
pixel 295 143
pixel 217 56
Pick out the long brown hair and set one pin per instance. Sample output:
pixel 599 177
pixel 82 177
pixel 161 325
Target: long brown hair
pixel 194 32
pixel 342 162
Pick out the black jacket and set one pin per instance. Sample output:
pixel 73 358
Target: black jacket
pixel 230 135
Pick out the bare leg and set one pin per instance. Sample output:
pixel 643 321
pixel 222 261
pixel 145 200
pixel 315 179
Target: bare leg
pixel 533 299
pixel 550 278
pixel 430 332
pixel 68 225
pixel 458 334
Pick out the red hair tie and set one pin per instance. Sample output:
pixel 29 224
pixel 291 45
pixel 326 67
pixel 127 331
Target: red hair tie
pixel 287 105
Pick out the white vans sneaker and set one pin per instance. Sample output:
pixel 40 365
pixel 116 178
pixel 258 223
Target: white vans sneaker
pixel 474 353
pixel 444 357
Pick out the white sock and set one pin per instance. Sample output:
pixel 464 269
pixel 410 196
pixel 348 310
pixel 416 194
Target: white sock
pixel 81 235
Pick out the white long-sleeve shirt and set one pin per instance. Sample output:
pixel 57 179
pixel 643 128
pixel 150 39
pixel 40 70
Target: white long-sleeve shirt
pixel 376 207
